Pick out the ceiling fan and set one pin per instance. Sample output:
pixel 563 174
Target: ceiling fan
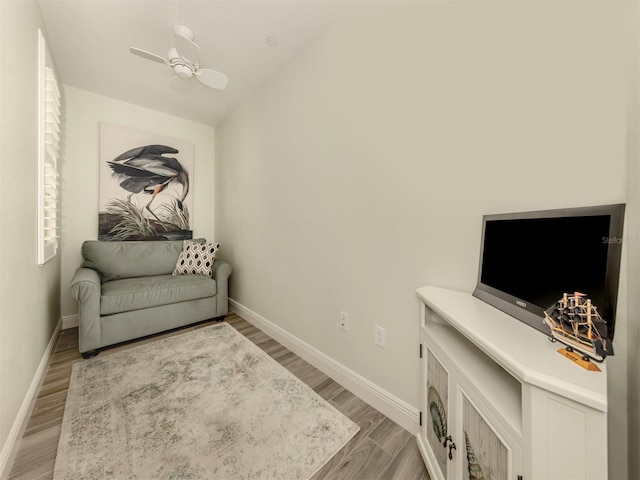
pixel 184 58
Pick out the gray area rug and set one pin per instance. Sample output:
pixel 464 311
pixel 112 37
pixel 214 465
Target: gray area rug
pixel 206 404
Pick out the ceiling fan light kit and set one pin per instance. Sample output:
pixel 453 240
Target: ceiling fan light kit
pixel 184 58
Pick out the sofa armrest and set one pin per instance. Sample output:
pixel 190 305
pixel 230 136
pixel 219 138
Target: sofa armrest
pixel 86 289
pixel 220 272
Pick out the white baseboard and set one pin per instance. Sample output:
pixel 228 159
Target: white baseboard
pixel 69 321
pixel 10 448
pixel 391 406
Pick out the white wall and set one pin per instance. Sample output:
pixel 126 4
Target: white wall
pixel 80 190
pixel 29 295
pixel 632 233
pixel 362 170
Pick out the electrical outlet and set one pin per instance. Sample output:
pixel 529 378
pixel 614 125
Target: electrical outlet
pixel 343 321
pixel 379 336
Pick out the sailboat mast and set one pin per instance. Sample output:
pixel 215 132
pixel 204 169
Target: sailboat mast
pixel 589 322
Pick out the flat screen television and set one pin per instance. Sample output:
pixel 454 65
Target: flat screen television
pixel 529 260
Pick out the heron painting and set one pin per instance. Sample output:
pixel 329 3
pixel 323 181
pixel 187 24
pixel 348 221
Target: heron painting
pixel 144 187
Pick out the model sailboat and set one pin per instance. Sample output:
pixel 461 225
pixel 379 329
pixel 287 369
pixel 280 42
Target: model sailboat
pixel 575 322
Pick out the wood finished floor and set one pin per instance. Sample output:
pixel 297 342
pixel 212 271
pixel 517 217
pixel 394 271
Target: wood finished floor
pixel 380 450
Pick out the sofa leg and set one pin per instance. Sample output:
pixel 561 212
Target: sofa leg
pixel 90 354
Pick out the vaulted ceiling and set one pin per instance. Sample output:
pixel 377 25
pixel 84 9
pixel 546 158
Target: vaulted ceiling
pixel 90 41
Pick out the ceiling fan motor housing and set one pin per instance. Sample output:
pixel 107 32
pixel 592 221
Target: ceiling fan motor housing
pixel 183 71
pixel 181 67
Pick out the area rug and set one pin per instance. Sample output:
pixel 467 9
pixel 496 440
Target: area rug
pixel 206 404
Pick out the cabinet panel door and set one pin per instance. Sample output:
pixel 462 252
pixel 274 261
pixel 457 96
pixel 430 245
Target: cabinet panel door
pixel 486 454
pixel 437 424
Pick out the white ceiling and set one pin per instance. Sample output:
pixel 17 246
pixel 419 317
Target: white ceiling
pixel 90 40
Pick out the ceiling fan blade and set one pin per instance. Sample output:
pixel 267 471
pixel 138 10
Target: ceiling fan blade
pixel 187 49
pixel 212 78
pixel 148 55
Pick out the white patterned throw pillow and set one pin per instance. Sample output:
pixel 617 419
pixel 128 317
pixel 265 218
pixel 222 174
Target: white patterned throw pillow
pixel 196 258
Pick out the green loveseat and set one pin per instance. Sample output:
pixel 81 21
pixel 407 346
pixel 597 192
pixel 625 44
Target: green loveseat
pixel 126 290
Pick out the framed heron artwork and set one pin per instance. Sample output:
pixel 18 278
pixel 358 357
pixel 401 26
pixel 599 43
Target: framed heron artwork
pixel 146 185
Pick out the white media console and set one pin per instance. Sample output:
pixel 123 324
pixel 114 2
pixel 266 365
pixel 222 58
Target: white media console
pixel 498 401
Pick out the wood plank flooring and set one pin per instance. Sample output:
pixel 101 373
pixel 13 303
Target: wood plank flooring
pixel 381 450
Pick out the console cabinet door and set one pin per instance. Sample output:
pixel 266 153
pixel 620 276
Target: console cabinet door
pixel 485 450
pixel 459 437
pixel 435 427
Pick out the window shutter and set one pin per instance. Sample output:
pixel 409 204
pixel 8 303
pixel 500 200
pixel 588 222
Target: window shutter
pixel 49 115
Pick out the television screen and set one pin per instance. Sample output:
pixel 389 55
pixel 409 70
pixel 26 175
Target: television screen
pixel 529 260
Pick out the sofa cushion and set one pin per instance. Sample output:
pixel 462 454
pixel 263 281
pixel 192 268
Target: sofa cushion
pixel 115 260
pixel 143 292
pixel 196 258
